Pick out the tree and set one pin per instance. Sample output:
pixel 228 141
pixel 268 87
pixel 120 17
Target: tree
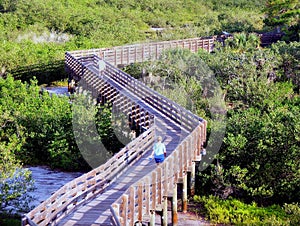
pixel 284 14
pixel 15 182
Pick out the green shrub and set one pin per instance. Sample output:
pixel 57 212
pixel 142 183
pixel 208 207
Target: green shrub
pixel 293 211
pixel 233 211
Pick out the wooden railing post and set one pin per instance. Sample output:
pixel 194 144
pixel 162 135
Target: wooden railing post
pixel 140 202
pixel 165 211
pixel 192 179
pixel 165 194
pixel 153 190
pixel 124 207
pixel 174 206
pixel 131 206
pixel 159 187
pixel 184 193
pixel 147 195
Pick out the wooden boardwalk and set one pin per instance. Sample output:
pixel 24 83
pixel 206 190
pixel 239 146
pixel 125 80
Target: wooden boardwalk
pixel 97 212
pixel 129 188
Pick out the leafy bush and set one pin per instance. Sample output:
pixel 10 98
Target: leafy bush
pixel 15 182
pixel 293 211
pixel 235 212
pixel 47 127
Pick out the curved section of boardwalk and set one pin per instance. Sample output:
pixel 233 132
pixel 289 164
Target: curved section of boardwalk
pixel 128 188
pixel 97 212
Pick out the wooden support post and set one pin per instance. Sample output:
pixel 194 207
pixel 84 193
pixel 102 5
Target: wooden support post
pixel 116 208
pixel 147 195
pixel 159 185
pixel 152 217
pixel 140 202
pixel 192 179
pixel 154 190
pixel 184 193
pixel 165 211
pixel 174 206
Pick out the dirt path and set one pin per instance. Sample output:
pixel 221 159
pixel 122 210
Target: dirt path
pixel 191 218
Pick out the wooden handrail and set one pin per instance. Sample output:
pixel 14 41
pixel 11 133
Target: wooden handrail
pixel 123 55
pixel 171 109
pixel 88 185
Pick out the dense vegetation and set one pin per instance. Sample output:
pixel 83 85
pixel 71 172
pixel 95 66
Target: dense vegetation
pixel 262 129
pixel 37 129
pixel 35 34
pixel 258 160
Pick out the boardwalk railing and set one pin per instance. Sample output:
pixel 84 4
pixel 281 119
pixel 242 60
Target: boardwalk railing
pixel 172 110
pixel 140 202
pixel 124 55
pixel 87 186
pixel 165 106
pixel 127 94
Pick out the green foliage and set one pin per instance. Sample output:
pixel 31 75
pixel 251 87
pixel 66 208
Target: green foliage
pixel 293 211
pixel 46 121
pixel 246 75
pixel 40 127
pixel 263 127
pixel 14 181
pixel 38 33
pixel 235 212
pixel 285 14
pixel 290 55
pixel 263 138
pixel 242 42
pixel 282 12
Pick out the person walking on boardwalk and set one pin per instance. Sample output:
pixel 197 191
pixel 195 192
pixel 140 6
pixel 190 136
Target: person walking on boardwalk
pixel 159 151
